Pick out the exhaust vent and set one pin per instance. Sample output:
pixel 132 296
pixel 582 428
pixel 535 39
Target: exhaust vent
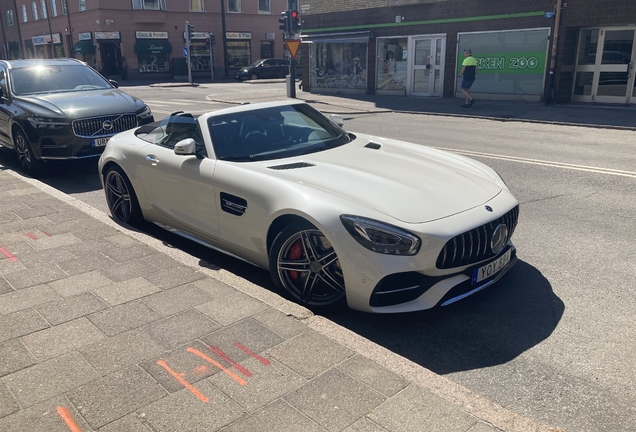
pixel 291 166
pixel 374 146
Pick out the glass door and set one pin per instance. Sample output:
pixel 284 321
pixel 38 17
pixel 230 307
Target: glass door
pixel 605 66
pixel 426 66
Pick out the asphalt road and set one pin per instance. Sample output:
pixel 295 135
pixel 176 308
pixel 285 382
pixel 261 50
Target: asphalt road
pixel 554 339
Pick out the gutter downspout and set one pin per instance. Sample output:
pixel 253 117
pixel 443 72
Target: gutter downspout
pixel 225 66
pixel 549 97
pixel 17 18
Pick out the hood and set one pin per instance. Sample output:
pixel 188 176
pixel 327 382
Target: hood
pixel 80 104
pixel 408 182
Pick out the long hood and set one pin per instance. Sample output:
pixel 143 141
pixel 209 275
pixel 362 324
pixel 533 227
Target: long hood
pixel 408 182
pixel 79 104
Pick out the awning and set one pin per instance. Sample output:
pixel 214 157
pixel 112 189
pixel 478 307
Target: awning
pixel 153 46
pixel 348 37
pixel 84 47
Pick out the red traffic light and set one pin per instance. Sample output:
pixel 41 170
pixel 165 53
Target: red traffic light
pixel 294 14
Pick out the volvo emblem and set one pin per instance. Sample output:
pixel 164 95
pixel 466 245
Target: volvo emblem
pixel 489 208
pixel 498 240
pixel 107 125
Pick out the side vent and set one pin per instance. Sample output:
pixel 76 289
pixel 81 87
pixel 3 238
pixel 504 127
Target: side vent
pixel 374 146
pixel 291 166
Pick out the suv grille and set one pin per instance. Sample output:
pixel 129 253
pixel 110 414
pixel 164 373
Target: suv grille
pixel 474 246
pixel 94 127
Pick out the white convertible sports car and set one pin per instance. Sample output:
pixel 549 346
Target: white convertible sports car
pixel 387 225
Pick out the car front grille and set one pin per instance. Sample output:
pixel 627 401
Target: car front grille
pixel 474 246
pixel 95 127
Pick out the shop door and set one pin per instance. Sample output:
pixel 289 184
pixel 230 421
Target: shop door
pixel 426 65
pixel 605 66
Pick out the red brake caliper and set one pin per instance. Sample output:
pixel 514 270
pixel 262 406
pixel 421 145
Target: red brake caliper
pixel 295 252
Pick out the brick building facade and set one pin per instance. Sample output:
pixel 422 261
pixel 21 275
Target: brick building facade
pixel 412 47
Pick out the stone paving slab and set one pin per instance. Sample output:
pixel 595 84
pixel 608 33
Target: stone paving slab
pixel 26 298
pixel 70 308
pixel 123 292
pixel 21 323
pixel 124 317
pixel 278 416
pixel 43 417
pixel 179 329
pixel 14 356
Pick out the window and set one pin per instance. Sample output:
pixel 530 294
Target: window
pixel 24 14
pixel 10 21
pixel 196 5
pixel 53 8
pixel 151 4
pixel 35 11
pixel 264 6
pixel 82 5
pixel 64 9
pixel 234 6
pixel 43 6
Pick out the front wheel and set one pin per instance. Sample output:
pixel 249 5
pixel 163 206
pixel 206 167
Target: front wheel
pixel 29 164
pixel 121 198
pixel 253 76
pixel 303 263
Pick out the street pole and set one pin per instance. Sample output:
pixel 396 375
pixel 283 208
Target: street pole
pixel 553 54
pixel 211 58
pixel 225 66
pixel 48 17
pixel 189 54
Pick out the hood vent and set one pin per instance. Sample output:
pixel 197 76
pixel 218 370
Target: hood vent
pixel 374 146
pixel 291 166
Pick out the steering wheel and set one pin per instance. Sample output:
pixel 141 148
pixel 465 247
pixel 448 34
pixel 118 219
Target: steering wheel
pixel 300 135
pixel 259 131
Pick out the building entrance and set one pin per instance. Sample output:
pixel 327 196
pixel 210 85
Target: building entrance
pixel 426 65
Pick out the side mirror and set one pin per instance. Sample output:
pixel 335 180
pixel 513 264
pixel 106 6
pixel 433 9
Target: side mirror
pixel 114 83
pixel 337 119
pixel 185 147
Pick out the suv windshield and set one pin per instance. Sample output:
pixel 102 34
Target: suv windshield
pixel 55 78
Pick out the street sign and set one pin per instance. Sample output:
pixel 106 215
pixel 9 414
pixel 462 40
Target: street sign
pixel 185 51
pixel 292 46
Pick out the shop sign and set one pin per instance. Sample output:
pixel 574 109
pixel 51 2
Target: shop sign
pixel 196 35
pixel 509 63
pixel 46 39
pixel 151 35
pixel 84 36
pixel 238 35
pixel 107 35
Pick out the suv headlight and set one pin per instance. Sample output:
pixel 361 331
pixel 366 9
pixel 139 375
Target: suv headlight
pixel 46 123
pixel 381 237
pixel 145 112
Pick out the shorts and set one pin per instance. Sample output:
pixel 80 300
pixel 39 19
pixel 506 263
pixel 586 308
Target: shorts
pixel 467 83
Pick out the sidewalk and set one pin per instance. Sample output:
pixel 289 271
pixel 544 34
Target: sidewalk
pixel 105 328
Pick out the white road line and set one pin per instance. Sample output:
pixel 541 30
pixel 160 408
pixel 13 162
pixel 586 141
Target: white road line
pixel 575 167
pixel 164 102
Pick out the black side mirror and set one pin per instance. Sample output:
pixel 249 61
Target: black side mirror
pixel 114 83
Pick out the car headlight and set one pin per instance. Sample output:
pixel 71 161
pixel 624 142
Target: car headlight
pixel 381 237
pixel 46 123
pixel 145 112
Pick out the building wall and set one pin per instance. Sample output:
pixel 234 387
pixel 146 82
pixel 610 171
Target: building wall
pixel 8 34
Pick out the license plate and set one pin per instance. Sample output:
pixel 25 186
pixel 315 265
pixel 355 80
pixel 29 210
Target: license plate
pixel 99 142
pixel 491 268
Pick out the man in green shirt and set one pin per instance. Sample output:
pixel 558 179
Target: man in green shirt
pixel 467 74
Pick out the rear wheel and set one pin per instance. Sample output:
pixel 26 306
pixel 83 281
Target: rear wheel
pixel 305 265
pixel 121 198
pixel 29 164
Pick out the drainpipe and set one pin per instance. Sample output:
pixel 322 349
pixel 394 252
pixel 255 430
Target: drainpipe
pixel 17 18
pixel 48 17
pixel 224 38
pixel 548 97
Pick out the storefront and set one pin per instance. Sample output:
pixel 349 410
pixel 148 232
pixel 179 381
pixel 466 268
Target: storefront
pixel 338 61
pixel 239 50
pixel 152 49
pixel 109 46
pixel 511 64
pixel 47 46
pixel 86 49
pixel 199 52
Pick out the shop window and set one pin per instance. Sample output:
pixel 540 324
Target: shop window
pixel 150 63
pixel 392 64
pixel 234 6
pixel 149 4
pixel 10 19
pixel 53 8
pixel 238 53
pixel 82 5
pixel 264 6
pixel 338 65
pixel 34 6
pixel 196 5
pixel 24 14
pixel 43 6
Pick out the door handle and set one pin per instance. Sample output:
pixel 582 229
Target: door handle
pixel 153 159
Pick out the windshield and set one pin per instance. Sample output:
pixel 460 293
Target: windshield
pixel 256 63
pixel 273 133
pixel 55 78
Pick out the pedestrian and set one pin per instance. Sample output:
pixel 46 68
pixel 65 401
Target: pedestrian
pixel 467 74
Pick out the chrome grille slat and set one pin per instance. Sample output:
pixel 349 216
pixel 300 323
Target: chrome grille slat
pixel 93 127
pixel 474 244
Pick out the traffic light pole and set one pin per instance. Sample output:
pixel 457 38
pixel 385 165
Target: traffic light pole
pixel 291 88
pixel 188 57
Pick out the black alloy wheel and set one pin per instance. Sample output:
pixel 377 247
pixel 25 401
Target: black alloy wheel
pixel 121 198
pixel 305 265
pixel 29 164
pixel 253 76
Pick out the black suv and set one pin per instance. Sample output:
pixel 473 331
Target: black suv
pixel 61 109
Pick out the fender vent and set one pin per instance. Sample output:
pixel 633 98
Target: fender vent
pixel 291 166
pixel 374 146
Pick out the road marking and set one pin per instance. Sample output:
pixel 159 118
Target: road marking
pixel 178 377
pixel 8 254
pixel 165 102
pixel 237 378
pixel 230 361
pixel 68 419
pixel 256 356
pixel 575 167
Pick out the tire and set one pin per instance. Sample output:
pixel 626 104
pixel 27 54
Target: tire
pixel 303 264
pixel 121 198
pixel 253 76
pixel 28 163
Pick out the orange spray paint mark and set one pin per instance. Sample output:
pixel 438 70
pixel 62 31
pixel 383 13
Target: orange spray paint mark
pixel 178 377
pixel 256 356
pixel 66 416
pixel 225 357
pixel 237 378
pixel 200 369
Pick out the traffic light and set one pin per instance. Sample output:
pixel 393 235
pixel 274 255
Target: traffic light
pixel 212 39
pixel 294 26
pixel 284 20
pixel 189 31
pixel 207 42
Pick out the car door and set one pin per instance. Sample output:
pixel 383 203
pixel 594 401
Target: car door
pixel 5 112
pixel 180 187
pixel 269 69
pixel 283 68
